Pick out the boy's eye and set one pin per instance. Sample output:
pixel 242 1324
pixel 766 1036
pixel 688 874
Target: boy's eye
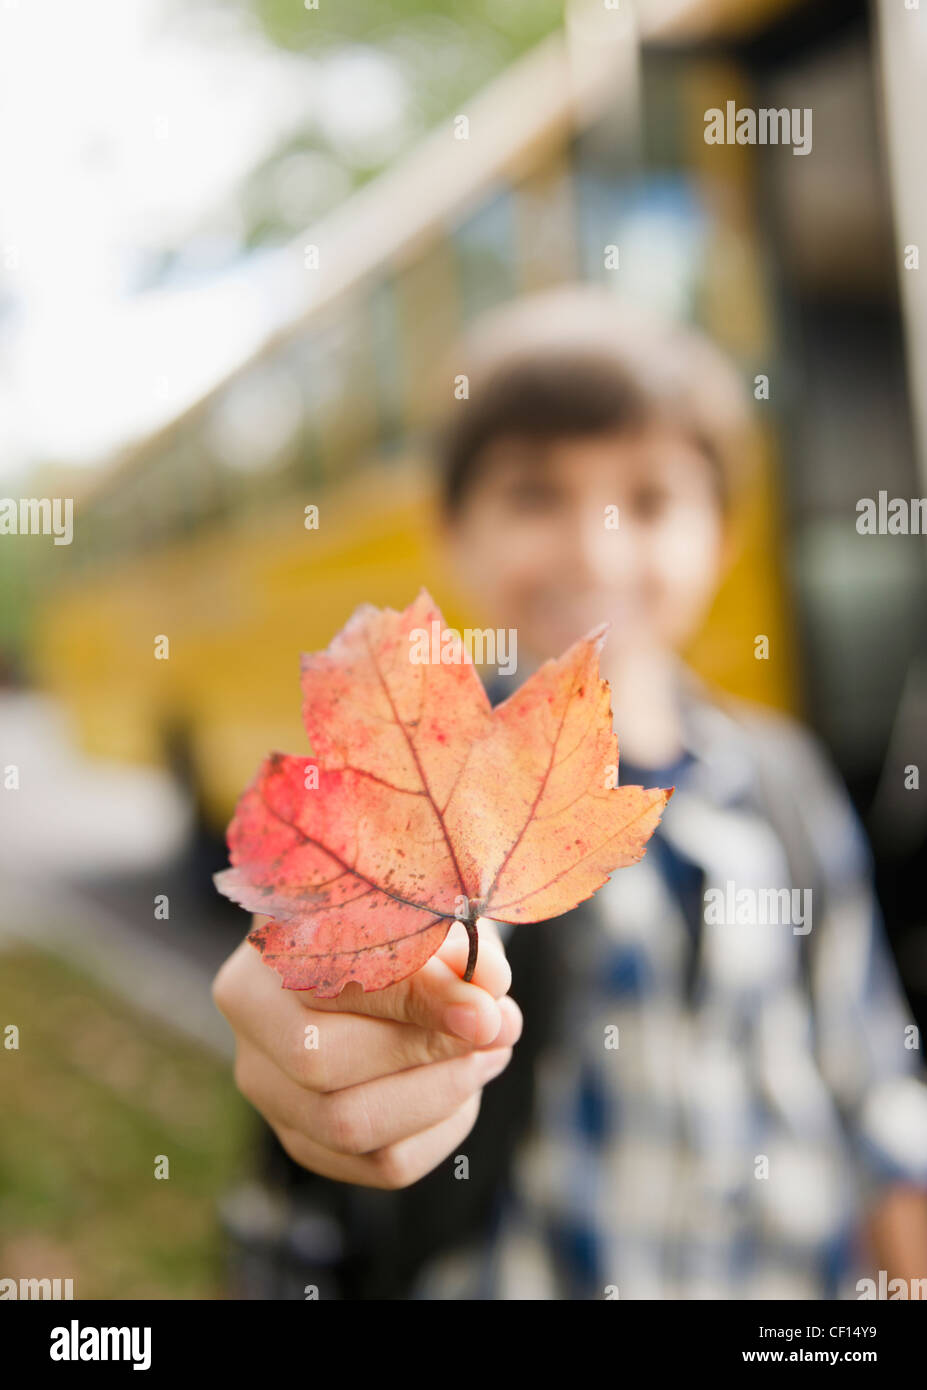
pixel 650 502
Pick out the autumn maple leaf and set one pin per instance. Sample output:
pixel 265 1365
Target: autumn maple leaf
pixel 422 805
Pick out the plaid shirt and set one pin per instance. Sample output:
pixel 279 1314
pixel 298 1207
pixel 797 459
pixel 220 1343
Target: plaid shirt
pixel 730 1096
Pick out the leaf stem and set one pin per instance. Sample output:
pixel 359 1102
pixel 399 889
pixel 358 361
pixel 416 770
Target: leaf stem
pixel 474 939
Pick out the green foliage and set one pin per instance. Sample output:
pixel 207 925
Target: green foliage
pixel 92 1095
pixel 444 52
pixel 518 23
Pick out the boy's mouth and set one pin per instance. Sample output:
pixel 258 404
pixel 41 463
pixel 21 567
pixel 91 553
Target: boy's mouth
pixel 573 617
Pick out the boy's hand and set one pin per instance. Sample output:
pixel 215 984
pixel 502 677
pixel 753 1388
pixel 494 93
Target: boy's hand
pixel 395 1082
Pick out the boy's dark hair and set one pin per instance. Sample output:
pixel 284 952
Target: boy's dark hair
pixel 576 361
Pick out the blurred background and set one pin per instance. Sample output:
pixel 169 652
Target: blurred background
pixel 234 239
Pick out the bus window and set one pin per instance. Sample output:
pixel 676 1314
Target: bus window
pixel 383 314
pixel 644 235
pixel 255 420
pixel 485 250
pixel 546 223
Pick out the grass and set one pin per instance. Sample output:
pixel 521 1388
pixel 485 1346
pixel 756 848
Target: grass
pixel 91 1098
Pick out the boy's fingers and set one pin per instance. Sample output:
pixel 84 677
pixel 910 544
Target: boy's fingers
pixel 397 1165
pixel 360 1119
pixel 348 1048
pixel 436 997
pixel 353 1049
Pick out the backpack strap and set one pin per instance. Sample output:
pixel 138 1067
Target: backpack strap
pixel 784 810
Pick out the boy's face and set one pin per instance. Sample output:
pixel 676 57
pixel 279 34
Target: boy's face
pixel 535 540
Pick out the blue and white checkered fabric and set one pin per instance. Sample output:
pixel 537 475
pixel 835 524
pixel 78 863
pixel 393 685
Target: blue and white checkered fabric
pixel 722 1111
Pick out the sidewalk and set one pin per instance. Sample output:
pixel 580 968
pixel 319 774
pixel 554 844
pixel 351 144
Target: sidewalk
pixel 74 819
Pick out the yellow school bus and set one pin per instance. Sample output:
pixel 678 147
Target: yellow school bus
pixel 198 535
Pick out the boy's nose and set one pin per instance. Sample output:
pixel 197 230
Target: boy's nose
pixel 603 551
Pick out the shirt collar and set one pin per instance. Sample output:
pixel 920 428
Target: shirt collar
pixel 722 766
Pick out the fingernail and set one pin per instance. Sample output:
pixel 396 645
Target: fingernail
pixel 463 1020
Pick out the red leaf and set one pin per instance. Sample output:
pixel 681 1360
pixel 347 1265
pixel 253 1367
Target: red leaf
pixel 430 805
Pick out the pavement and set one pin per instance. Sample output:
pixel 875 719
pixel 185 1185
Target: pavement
pixel 85 847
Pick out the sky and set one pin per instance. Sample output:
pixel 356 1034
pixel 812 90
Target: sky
pixel 128 126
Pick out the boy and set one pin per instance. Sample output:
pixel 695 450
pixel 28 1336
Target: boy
pixel 686 1106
